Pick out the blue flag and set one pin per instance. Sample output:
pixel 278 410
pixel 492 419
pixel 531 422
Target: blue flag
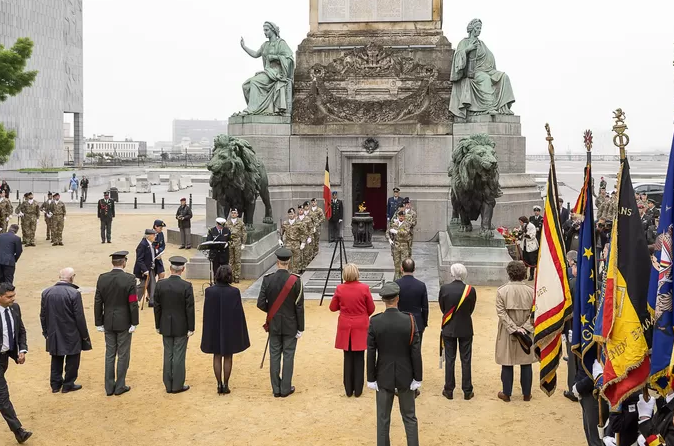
pixel 585 295
pixel 660 291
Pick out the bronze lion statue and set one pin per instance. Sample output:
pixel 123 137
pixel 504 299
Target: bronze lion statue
pixel 475 183
pixel 238 178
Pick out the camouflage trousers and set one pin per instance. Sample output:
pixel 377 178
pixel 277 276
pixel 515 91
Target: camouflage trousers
pixel 28 230
pixel 4 224
pixel 56 229
pixel 401 251
pixel 296 259
pixel 316 240
pixel 307 254
pixel 48 224
pixel 235 258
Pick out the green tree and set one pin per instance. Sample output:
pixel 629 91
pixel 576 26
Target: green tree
pixel 13 79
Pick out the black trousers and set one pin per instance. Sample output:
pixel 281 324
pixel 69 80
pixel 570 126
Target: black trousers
pixel 526 377
pixel 333 230
pixel 571 366
pixel 354 372
pixel 72 367
pixel 106 229
pixel 6 408
pixel 465 355
pixel 7 273
pixel 590 408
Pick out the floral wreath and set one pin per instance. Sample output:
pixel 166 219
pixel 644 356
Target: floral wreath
pixel 370 145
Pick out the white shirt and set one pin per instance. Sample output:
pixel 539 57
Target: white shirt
pixel 291 221
pixel 5 332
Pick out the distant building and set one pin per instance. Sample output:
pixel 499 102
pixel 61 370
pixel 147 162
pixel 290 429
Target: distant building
pixel 200 149
pixel 197 130
pixel 105 145
pixel 68 146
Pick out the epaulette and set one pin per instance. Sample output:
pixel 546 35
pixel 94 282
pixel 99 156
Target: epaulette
pixel 269 274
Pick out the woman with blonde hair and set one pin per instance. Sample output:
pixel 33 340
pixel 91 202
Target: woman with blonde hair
pixel 354 302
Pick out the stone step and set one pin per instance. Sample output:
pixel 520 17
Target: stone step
pixel 314 281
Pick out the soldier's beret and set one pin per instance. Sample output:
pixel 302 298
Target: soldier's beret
pixel 182 199
pixel 150 231
pixel 291 210
pixel 401 212
pixel 313 199
pixel 234 210
pixel 119 255
pixel 106 193
pixel 49 194
pixel 56 194
pixel 406 200
pixel 299 206
pixel 178 260
pixel 396 189
pixel 220 220
pixel 283 254
pixel 306 203
pixel 389 290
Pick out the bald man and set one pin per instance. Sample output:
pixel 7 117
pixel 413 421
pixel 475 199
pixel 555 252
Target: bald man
pixel 65 329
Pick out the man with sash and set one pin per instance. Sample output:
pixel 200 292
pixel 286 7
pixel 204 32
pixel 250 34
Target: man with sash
pixel 282 298
pixel 457 302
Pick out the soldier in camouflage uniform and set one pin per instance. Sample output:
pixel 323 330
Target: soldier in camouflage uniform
pixel 318 217
pixel 411 218
pixel 293 239
pixel 29 211
pixel 47 217
pixel 306 239
pixel 610 207
pixel 309 251
pixel 399 236
pixel 238 229
pixel 57 211
pixel 6 211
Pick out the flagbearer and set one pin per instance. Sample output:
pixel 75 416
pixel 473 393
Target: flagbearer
pixel 238 239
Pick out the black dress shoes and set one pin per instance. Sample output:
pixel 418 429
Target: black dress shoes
pixel 286 395
pixel 55 390
pixel 225 389
pixel 468 396
pixel 448 395
pixel 570 396
pixel 184 389
pixel 74 388
pixel 277 395
pixel 22 435
pixel 123 391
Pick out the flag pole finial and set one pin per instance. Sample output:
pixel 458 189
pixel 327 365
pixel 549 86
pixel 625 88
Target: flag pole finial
pixel 621 139
pixel 587 138
pixel 549 139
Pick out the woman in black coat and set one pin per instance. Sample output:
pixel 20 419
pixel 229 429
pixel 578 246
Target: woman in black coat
pixel 224 330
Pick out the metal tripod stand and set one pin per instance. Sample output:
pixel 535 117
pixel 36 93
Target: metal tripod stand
pixel 339 244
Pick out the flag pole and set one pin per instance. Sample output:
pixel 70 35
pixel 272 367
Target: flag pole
pixel 621 139
pixel 551 148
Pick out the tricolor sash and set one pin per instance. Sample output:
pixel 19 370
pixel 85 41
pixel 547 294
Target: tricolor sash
pixel 448 316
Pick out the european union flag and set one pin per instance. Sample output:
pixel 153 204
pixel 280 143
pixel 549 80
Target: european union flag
pixel 660 291
pixel 585 294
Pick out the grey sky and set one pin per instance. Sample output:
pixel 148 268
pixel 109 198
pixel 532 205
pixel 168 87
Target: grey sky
pixel 571 63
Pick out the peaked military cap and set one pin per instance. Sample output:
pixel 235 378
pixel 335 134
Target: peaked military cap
pixel 178 260
pixel 220 220
pixel 283 254
pixel 119 255
pixel 389 290
pixel 396 189
pixel 650 200
pixel 537 208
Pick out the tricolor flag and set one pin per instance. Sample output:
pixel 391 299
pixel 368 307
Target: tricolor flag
pixel 625 325
pixel 326 191
pixel 586 296
pixel 552 298
pixel 660 291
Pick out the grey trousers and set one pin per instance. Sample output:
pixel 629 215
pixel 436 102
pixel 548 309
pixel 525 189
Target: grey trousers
pixel 174 362
pixel 140 288
pixel 185 236
pixel 287 346
pixel 384 406
pixel 571 366
pixel 117 345
pixel 590 408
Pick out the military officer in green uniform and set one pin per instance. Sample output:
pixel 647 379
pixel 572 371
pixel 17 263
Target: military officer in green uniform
pixel 282 298
pixel 29 211
pixel 237 240
pixel 411 218
pixel 6 211
pixel 44 208
pixel 293 239
pixel 318 216
pixel 57 212
pixel 399 236
pixel 307 237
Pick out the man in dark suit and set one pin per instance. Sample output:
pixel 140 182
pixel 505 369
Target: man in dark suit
pixel 393 204
pixel 394 364
pixel 219 233
pixel 457 302
pixel 285 320
pixel 336 218
pixel 116 314
pixel 413 297
pixel 537 220
pixel 106 212
pixel 10 251
pixel 563 212
pixel 13 346
pixel 65 329
pixel 174 320
pixel 144 268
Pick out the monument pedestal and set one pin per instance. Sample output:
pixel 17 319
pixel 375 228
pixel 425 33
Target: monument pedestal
pixel 362 230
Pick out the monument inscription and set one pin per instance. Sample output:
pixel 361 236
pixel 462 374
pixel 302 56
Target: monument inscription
pixel 350 11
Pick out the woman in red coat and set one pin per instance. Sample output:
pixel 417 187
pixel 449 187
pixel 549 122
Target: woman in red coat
pixel 355 305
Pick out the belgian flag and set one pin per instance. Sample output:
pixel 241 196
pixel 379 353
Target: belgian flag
pixel 326 191
pixel 624 323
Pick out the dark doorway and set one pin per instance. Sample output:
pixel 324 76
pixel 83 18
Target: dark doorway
pixel 369 186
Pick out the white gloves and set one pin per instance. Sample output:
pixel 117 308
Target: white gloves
pixel 298 335
pixel 309 240
pixel 146 273
pixel 641 441
pixel 302 245
pixel 610 441
pixel 390 242
pixel 314 231
pixel 393 231
pixel 132 329
pixel 101 329
pixel 280 242
pixel 158 332
pixel 415 385
pixel 645 408
pixel 20 214
pixel 243 246
pixel 7 219
pixel 65 218
pixel 340 220
pixel 49 214
pixel 596 369
pixel 190 333
pixel 574 390
pixel 373 386
pixel 570 336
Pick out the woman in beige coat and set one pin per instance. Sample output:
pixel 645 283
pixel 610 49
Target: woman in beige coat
pixel 514 302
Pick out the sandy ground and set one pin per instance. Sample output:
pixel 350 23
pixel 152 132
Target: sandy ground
pixel 318 413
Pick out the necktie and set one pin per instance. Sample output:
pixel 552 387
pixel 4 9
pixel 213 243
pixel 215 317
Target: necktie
pixel 10 332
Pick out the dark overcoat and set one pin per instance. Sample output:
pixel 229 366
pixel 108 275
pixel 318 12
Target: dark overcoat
pixel 63 323
pixel 224 330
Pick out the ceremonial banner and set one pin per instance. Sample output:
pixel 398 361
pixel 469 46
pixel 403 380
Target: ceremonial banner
pixel 579 208
pixel 585 295
pixel 660 291
pixel 552 298
pixel 626 323
pixel 326 191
